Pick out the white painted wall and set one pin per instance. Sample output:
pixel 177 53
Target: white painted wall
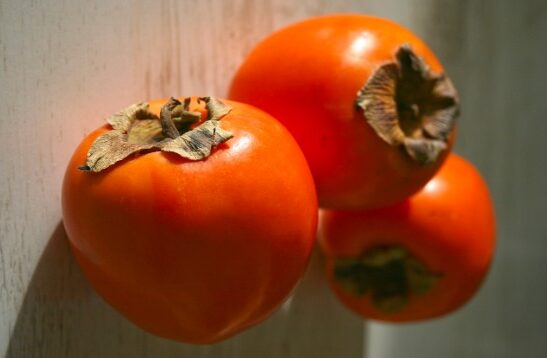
pixel 65 65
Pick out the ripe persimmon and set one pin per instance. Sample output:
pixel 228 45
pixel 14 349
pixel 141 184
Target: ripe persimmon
pixel 422 258
pixel 367 101
pixel 195 221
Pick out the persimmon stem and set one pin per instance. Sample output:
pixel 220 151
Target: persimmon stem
pixel 167 125
pixel 178 130
pixel 186 105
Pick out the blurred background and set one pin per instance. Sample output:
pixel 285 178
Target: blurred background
pixel 66 65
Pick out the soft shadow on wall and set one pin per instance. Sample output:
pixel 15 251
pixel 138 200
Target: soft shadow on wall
pixel 52 304
pixel 60 315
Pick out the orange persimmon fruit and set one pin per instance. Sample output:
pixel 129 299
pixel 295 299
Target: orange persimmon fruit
pixel 418 259
pixel 194 218
pixel 367 101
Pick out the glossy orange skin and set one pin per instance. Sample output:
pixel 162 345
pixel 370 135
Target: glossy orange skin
pixel 449 226
pixel 196 251
pixel 307 76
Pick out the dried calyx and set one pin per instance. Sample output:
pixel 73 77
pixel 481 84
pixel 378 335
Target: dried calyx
pixel 177 130
pixel 389 273
pixel 407 105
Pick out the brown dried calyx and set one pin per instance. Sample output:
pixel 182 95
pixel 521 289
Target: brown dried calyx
pixel 177 130
pixel 389 273
pixel 407 105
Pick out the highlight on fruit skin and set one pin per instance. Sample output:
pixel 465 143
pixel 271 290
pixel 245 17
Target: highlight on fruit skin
pixel 194 218
pixel 367 101
pixel 420 259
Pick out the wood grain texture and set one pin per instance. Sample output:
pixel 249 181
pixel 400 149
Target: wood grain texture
pixel 65 66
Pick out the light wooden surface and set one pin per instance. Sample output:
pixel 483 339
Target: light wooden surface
pixel 65 65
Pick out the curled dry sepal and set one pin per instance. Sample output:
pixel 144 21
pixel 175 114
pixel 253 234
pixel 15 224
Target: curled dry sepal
pixel 408 105
pixel 136 129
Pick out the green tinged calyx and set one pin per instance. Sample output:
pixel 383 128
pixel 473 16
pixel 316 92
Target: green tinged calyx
pixel 389 273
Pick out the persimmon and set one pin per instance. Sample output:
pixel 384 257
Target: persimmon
pixel 367 101
pixel 193 218
pixel 419 259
